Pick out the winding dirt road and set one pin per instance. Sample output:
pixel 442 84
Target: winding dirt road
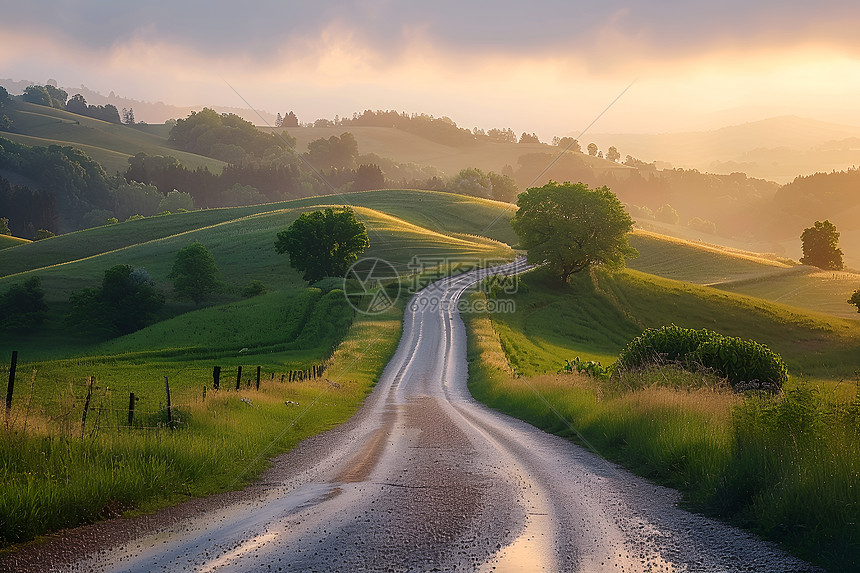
pixel 424 478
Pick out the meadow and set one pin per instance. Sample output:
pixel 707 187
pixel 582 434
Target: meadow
pixel 783 466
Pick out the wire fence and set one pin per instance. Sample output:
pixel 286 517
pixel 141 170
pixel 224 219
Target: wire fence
pixel 84 407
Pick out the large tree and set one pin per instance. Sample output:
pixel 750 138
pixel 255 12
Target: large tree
pixel 194 273
pixel 323 243
pixel 570 227
pixel 820 245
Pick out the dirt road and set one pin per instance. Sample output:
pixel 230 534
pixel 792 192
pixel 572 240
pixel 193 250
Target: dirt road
pixel 424 478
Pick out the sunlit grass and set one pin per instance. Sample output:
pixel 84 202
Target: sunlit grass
pixel 785 466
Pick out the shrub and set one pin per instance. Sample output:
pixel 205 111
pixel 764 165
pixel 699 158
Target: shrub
pixel 254 288
pixel 745 363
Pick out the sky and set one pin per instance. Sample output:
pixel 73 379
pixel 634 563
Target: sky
pixel 548 66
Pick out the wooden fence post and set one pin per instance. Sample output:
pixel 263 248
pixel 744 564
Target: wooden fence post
pixel 11 386
pixel 216 377
pixel 258 378
pixel 238 377
pixel 167 390
pixel 86 406
pixel 131 401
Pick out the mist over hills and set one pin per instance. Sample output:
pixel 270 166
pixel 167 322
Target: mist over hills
pixel 721 186
pixel 776 148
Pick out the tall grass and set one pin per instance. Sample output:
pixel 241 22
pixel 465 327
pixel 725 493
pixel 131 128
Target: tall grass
pixel 55 476
pixel 786 467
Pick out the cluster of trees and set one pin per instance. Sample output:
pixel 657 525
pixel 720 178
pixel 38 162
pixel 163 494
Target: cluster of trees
pixel 108 112
pixel 63 184
pixel 26 211
pixel 52 96
pixel 227 137
pixel 472 181
pixel 334 152
pixel 23 307
pixel 288 120
pixel 5 122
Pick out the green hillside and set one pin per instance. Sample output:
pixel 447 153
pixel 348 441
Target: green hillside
pixel 108 143
pixel 765 276
pixel 595 318
pixel 242 243
pixel 439 212
pixel 7 241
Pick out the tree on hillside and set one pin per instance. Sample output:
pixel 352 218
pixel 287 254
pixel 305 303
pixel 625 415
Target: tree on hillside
pixel 855 299
pixel 592 149
pixel 569 143
pixel 126 301
pixel 334 152
pixel 570 227
pixel 128 116
pixel 368 176
pixel 4 226
pixel 194 273
pixel 820 244
pixel 23 307
pixel 667 214
pixel 323 243
pixel 77 104
pixel 5 122
pixel 612 154
pixel 290 120
pixel 529 138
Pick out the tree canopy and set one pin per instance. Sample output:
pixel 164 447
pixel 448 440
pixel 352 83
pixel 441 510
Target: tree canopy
pixel 225 136
pixel 570 227
pixel 820 245
pixel 194 273
pixel 323 243
pixel 23 307
pixel 126 301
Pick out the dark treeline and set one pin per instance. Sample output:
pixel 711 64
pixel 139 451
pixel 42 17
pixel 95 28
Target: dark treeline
pixel 51 96
pixel 27 210
pixel 63 185
pixel 439 129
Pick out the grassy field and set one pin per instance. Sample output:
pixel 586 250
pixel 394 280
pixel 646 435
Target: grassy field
pixel 108 143
pixel 221 441
pixel 784 466
pixel 763 276
pixel 7 241
pixel 596 316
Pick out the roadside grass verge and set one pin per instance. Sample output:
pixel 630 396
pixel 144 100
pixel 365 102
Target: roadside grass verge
pixel 786 467
pixel 57 476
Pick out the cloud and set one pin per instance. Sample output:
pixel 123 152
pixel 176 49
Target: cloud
pixel 603 34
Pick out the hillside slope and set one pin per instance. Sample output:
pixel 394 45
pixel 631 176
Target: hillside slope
pixel 108 143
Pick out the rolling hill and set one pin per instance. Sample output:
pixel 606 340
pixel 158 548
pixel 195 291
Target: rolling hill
pixel 108 143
